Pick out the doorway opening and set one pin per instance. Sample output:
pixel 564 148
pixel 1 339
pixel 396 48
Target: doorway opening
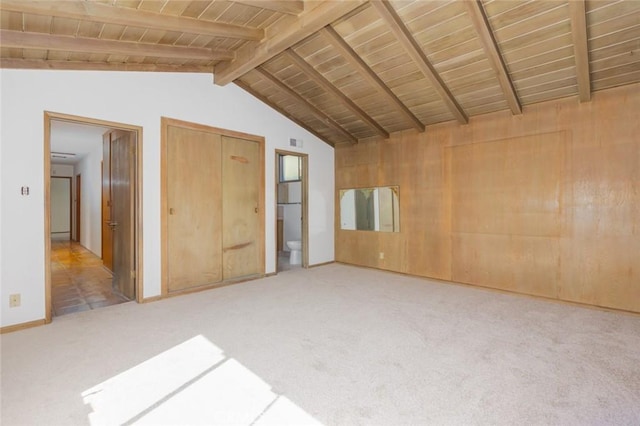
pixel 292 232
pixel 76 277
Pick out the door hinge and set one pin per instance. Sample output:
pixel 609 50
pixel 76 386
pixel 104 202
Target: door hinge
pixel 133 274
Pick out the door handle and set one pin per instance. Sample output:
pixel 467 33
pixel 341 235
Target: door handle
pixel 171 211
pixel 112 225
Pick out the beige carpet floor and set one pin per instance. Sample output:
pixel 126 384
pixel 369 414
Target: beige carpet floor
pixel 334 345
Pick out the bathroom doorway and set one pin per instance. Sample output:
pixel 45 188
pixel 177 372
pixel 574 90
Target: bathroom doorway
pixel 292 232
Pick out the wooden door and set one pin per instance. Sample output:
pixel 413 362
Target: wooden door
pixel 194 217
pixel 122 211
pixel 78 206
pixel 240 207
pixel 107 237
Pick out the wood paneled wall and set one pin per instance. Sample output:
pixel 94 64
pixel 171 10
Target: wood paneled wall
pixel 545 203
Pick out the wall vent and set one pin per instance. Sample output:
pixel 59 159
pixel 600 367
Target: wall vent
pixel 295 142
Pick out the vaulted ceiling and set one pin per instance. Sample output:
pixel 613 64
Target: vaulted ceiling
pixel 346 70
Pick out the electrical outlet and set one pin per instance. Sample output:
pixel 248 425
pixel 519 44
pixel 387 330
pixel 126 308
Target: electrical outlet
pixel 381 255
pixel 14 300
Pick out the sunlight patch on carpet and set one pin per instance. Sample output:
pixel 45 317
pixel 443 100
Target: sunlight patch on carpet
pixel 191 383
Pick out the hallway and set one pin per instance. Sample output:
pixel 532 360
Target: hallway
pixel 79 282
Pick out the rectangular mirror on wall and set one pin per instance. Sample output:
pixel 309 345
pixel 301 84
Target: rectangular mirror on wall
pixel 370 209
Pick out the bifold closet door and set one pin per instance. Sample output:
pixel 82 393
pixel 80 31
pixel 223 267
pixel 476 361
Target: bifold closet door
pixel 240 204
pixel 194 201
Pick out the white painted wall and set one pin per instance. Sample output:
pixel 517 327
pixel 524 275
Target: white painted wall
pixel 138 99
pixel 91 193
pixel 63 170
pixel 60 208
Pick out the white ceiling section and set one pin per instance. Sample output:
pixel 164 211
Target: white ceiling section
pixel 73 138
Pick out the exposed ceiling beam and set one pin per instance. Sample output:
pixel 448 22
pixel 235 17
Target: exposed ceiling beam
pixel 99 66
pixel 310 72
pixel 100 12
pixel 402 33
pixel 367 73
pixel 580 47
pixel 290 7
pixel 24 40
pixel 273 105
pixel 282 35
pixel 481 24
pixel 314 110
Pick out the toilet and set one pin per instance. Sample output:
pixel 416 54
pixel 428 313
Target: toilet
pixel 295 257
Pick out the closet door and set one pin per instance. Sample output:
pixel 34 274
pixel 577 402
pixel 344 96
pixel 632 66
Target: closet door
pixel 194 216
pixel 240 207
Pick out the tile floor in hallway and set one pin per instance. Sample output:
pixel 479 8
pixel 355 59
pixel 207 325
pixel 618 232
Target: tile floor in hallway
pixel 79 282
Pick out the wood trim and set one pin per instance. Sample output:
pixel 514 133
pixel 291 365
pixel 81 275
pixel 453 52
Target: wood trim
pixel 266 100
pixel 402 33
pixel 372 78
pixel 91 121
pixel 276 180
pixel 262 203
pixel 281 36
pixel 151 299
pixel 14 63
pixel 23 326
pixel 305 211
pixel 312 108
pixel 47 219
pixel 289 7
pixel 97 12
pixel 165 122
pixel 138 240
pixel 211 286
pixel 483 28
pixel 168 121
pixel 310 72
pixel 581 48
pixel 164 205
pixel 30 40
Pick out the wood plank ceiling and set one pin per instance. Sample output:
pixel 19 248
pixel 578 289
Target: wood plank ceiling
pixel 346 70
